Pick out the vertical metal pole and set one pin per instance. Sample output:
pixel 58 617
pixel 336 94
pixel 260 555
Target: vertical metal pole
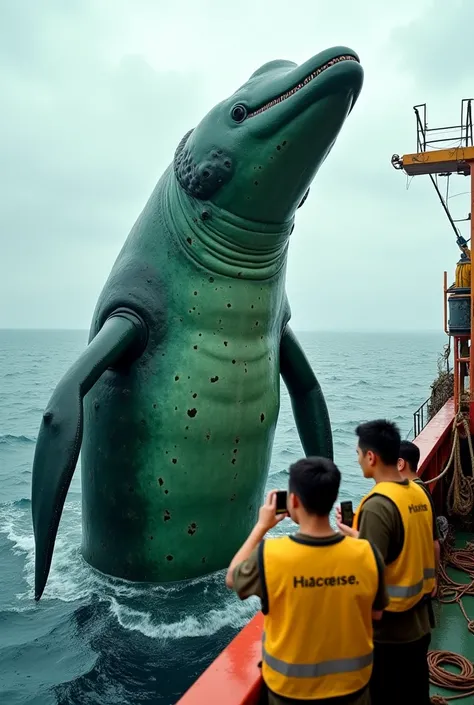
pixel 445 302
pixel 471 349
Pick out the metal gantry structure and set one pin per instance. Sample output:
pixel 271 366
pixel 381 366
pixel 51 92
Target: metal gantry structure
pixel 442 152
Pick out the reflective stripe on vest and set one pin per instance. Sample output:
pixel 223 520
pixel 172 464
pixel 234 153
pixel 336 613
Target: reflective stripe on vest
pixel 412 574
pixel 317 670
pixel 318 627
pixel 410 590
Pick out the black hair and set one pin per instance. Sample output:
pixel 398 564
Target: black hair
pixel 411 453
pixel 315 481
pixel 381 437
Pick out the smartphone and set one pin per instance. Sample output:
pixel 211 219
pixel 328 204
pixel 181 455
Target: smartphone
pixel 281 502
pixel 347 513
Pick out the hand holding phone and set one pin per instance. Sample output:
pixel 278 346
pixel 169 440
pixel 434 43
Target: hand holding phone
pixel 282 498
pixel 273 511
pixel 347 513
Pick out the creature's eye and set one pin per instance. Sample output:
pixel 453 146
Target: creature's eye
pixel 239 113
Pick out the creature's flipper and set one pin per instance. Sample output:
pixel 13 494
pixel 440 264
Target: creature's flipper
pixel 122 337
pixel 309 406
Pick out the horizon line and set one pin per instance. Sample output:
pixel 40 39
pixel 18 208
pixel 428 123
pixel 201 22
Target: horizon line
pixel 414 331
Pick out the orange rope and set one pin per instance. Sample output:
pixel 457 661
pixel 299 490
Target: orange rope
pixel 450 591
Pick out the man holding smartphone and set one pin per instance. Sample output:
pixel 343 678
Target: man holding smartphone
pixel 397 517
pixel 319 592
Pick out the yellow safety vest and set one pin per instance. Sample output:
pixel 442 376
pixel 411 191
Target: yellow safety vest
pixel 317 639
pixel 412 574
pixel 463 272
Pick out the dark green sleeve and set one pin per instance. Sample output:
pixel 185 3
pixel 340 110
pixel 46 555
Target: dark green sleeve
pixel 436 535
pixel 381 598
pixel 376 525
pixel 247 577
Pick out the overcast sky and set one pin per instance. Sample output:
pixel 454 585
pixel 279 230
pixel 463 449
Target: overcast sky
pixel 96 94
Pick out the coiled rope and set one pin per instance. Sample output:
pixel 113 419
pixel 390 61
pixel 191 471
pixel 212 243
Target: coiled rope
pixel 459 501
pixel 450 591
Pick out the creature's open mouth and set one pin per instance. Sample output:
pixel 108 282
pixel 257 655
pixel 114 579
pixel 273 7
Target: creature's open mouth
pixel 299 86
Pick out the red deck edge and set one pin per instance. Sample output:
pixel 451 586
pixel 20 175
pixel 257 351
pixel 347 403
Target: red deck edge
pixel 234 677
pixel 432 439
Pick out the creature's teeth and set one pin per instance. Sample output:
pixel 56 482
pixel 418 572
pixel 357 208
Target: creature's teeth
pixel 294 90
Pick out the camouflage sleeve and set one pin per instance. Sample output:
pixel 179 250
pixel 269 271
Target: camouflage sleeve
pixel 247 577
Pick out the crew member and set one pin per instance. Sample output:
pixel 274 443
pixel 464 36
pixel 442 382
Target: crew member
pixel 319 592
pixel 397 517
pixel 408 468
pixel 463 268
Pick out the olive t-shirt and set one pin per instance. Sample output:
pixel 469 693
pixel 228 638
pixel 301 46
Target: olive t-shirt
pixel 247 582
pixel 380 523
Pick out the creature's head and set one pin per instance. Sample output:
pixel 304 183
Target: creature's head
pixel 256 153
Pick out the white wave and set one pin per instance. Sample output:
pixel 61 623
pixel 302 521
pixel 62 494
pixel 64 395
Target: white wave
pixel 234 615
pixel 71 579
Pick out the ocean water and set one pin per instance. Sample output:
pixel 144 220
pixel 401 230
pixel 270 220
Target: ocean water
pixel 98 641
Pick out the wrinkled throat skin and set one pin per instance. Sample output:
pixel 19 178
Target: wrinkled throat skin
pixel 178 428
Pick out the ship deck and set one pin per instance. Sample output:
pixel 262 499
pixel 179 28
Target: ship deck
pixel 451 632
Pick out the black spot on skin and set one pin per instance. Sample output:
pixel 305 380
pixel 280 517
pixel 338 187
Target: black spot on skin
pixel 195 293
pixel 237 439
pixel 195 347
pixel 96 405
pixel 262 417
pixel 176 408
pixel 169 557
pixel 154 406
pixel 151 538
pixel 235 476
pixel 174 460
pixel 283 143
pixel 229 305
pixel 211 279
pixel 192 413
pixel 233 362
pixel 226 343
pixel 214 379
pixel 205 215
pixel 233 461
pixel 186 428
pixel 192 528
pixel 256 183
pixel 208 436
pixel 278 147
pixel 232 498
pixel 256 323
pixel 236 450
pixel 194 395
pixel 166 491
pixel 189 240
pixel 203 560
pixel 161 482
pixel 176 378
pixel 166 515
